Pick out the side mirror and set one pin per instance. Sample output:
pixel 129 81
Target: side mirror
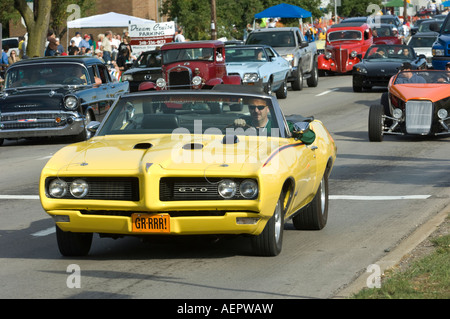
pixel 303 132
pixel 93 126
pixel 304 44
pixel 435 27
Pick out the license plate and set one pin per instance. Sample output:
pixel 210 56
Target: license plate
pixel 146 223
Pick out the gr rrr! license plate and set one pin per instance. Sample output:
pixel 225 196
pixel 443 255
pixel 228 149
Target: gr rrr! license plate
pixel 146 223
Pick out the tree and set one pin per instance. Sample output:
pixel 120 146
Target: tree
pixel 356 8
pixel 36 21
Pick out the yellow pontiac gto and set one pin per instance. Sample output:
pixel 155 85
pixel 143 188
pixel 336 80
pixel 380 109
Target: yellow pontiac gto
pixel 190 163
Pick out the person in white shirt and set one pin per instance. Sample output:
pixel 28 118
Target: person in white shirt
pixel 77 38
pixel 180 37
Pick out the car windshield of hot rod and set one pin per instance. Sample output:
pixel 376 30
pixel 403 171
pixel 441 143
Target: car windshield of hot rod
pixel 190 114
pixel 46 74
pixel 188 54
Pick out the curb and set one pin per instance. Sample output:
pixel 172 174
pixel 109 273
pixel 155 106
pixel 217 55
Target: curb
pixel 396 255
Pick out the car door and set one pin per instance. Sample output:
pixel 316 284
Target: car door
pixel 305 52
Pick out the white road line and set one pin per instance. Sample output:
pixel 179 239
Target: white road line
pixel 379 197
pixel 44 157
pixel 19 196
pixel 326 92
pixel 44 232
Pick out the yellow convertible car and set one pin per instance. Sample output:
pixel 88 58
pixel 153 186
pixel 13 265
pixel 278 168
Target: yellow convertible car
pixel 221 162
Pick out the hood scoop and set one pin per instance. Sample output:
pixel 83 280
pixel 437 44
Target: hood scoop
pixel 143 146
pixel 230 139
pixel 193 146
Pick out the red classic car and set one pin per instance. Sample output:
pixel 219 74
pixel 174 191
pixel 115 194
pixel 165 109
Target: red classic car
pixel 192 65
pixel 343 44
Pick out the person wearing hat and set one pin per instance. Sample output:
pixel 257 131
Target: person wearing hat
pixel 84 43
pixel 407 76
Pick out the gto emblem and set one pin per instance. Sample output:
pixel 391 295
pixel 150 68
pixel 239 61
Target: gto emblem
pixel 192 189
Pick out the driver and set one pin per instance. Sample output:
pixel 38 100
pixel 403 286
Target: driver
pixel 408 77
pixel 259 112
pixel 77 77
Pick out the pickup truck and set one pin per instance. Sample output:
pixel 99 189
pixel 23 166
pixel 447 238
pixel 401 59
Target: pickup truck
pixel 290 43
pixel 441 48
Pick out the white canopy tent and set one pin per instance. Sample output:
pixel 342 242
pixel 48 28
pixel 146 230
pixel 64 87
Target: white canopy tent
pixel 106 20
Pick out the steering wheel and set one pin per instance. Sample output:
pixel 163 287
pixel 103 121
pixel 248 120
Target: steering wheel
pixel 73 80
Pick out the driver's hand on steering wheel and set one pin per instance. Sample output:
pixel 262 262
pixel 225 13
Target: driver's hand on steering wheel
pixel 240 123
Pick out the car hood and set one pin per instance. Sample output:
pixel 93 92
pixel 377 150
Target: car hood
pixel 244 67
pixel 136 153
pixel 433 92
pixel 32 99
pixel 389 67
pixel 284 50
pixel 349 45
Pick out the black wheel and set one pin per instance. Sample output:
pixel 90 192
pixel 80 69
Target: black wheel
pixel 315 215
pixel 297 85
pixel 357 86
pixel 73 244
pixel 314 79
pixel 376 123
pixel 282 91
pixel 270 241
pixel 1 141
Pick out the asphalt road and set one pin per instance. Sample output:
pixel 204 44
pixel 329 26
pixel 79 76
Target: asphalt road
pixel 380 193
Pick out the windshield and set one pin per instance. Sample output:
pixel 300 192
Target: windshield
pixel 189 54
pixel 234 54
pixel 148 60
pixel 274 39
pixel 422 42
pixel 425 27
pixel 430 77
pixel 344 35
pixel 392 52
pixel 194 114
pixel 46 74
pixel 383 32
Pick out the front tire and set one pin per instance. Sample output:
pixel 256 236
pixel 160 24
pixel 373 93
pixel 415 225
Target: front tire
pixel 282 91
pixel 270 241
pixel 376 123
pixel 313 81
pixel 73 244
pixel 297 85
pixel 315 215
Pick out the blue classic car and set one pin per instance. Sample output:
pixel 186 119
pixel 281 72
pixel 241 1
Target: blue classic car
pixel 259 65
pixel 56 96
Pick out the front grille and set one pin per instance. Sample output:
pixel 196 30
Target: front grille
pixel 123 213
pixel 11 121
pixel 341 56
pixel 108 188
pixel 196 188
pixel 419 116
pixel 179 79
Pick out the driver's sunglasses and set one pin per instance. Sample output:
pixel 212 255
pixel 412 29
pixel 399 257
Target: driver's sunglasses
pixel 260 107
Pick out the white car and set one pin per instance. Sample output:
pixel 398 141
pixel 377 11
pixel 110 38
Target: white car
pixel 12 43
pixel 259 65
pixel 422 43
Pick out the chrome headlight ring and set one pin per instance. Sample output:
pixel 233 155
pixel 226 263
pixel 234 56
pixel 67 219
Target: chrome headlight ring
pixel 71 102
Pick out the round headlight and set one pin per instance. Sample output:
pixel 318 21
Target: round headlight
pixel 71 102
pixel 57 188
pixel 127 77
pixel 79 188
pixel 353 54
pixel 196 80
pixel 328 55
pixel 397 113
pixel 442 114
pixel 161 83
pixel 248 188
pixel 227 188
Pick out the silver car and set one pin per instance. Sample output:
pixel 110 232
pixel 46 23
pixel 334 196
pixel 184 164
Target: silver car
pixel 259 65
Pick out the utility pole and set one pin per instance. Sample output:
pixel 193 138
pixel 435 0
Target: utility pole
pixel 213 20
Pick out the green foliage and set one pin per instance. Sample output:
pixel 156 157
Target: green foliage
pixel 232 16
pixel 355 8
